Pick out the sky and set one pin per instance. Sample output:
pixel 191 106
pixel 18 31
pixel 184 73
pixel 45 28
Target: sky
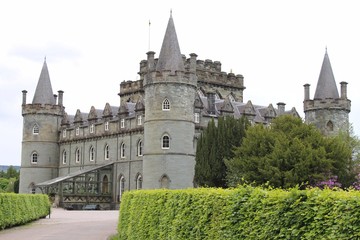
pixel 92 46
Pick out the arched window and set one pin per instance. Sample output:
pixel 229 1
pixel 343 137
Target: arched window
pixel 92 154
pixel 164 182
pixel 330 126
pixel 122 150
pixel 165 142
pixel 166 105
pixel 139 182
pixel 107 152
pixel 36 129
pixel 106 126
pixel 139 148
pixel 77 155
pixel 34 158
pixel 64 157
pixel 121 187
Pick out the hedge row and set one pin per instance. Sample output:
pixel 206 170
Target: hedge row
pixel 17 209
pixel 241 213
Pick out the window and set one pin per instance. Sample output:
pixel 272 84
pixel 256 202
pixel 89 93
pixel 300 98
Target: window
pixel 196 117
pixel 166 105
pixel 92 154
pixel 92 128
pixel 77 131
pixel 122 187
pixel 36 129
pixel 64 157
pixel 139 182
pixel 77 155
pixel 64 133
pixel 106 126
pixel 122 150
pixel 165 142
pixel 330 126
pixel 34 158
pixel 105 185
pixel 164 182
pixel 139 120
pixel 107 152
pixel 122 123
pixel 139 148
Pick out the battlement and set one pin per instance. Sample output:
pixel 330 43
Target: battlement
pixel 207 71
pixel 129 87
pixel 330 103
pixel 42 109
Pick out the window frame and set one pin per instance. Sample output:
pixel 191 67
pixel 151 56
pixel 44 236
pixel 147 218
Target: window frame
pixel 107 152
pixel 77 155
pixel 106 126
pixel 92 154
pixel 64 133
pixel 122 187
pixel 196 117
pixel 139 120
pixel 122 123
pixel 165 141
pixel 92 128
pixel 77 131
pixel 166 105
pixel 139 182
pixel 122 150
pixel 34 158
pixel 35 129
pixel 139 148
pixel 64 157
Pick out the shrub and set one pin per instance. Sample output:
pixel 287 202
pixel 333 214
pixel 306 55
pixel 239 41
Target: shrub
pixel 241 213
pixel 17 209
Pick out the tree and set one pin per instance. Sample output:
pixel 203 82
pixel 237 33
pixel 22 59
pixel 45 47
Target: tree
pixel 287 153
pixel 214 145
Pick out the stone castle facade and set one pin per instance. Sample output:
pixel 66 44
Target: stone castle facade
pixel 149 140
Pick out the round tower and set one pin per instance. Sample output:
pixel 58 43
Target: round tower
pixel 41 122
pixel 169 128
pixel 328 111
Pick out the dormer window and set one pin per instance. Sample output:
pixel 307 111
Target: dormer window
pixel 106 126
pixel 139 120
pixel 122 123
pixel 196 117
pixel 36 129
pixel 166 105
pixel 92 127
pixel 64 133
pixel 77 131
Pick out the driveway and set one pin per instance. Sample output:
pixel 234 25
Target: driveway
pixel 67 225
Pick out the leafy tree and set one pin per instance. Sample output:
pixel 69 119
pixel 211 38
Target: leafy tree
pixel 286 154
pixel 214 145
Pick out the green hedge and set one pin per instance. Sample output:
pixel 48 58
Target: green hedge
pixel 17 209
pixel 241 213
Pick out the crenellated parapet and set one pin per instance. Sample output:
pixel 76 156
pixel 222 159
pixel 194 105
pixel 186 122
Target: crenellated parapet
pixel 47 109
pixel 131 90
pixel 330 103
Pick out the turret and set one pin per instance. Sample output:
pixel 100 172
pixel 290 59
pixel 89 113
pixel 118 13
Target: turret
pixel 40 149
pixel 169 128
pixel 327 111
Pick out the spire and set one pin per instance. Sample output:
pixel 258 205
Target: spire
pixel 170 56
pixel 43 93
pixel 326 86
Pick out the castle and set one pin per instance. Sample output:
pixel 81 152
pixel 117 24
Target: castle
pixel 149 140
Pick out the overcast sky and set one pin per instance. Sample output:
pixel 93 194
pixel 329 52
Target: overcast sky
pixel 92 46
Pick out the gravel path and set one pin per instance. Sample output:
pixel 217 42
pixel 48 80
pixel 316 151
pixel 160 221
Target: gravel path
pixel 67 225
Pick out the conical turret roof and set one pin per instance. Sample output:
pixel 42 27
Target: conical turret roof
pixel 326 86
pixel 170 56
pixel 43 93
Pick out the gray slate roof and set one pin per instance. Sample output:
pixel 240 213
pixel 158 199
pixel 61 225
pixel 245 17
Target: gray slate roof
pixel 43 93
pixel 326 86
pixel 170 57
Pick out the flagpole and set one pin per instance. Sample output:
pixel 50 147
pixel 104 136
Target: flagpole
pixel 149 34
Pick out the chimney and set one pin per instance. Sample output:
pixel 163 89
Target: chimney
pixel 193 62
pixel 211 102
pixel 307 91
pixel 24 97
pixel 343 90
pixel 55 98
pixel 281 108
pixel 60 102
pixel 150 59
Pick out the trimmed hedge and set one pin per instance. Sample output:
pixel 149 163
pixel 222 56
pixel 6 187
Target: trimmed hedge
pixel 17 209
pixel 241 213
